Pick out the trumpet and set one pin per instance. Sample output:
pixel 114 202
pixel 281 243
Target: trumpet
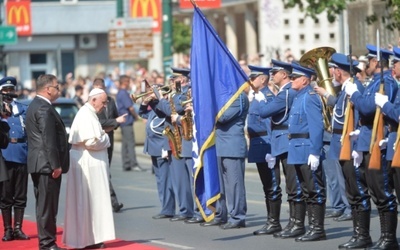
pixel 164 90
pixel 183 103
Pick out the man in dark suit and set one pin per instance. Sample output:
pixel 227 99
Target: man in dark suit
pixel 110 120
pixel 48 157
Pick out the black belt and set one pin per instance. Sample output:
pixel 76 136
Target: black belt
pixel 392 128
pixel 259 134
pixel 298 136
pixel 279 127
pixel 337 131
pixel 17 140
pixel 366 123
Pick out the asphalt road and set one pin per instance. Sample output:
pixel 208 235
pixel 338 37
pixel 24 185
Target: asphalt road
pixel 137 190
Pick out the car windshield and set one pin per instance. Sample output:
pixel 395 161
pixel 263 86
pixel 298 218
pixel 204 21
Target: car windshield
pixel 66 111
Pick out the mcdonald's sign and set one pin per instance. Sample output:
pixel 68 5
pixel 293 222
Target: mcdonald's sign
pixel 147 8
pixel 19 15
pixel 186 4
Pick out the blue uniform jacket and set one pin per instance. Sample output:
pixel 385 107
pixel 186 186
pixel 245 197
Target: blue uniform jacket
pixel 392 113
pixel 259 145
pixel 278 109
pixel 365 104
pixel 230 139
pixel 154 128
pixel 17 152
pixel 305 117
pixel 338 121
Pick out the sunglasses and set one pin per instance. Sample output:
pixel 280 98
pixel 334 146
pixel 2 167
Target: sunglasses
pixel 56 87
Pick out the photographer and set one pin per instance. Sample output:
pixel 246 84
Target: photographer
pixel 14 190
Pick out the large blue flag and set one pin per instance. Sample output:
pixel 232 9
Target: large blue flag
pixel 217 80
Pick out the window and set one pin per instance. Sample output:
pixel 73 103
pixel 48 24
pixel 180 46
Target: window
pixel 316 21
pixel 316 36
pixel 332 35
pixel 301 21
pixel 302 52
pixel 301 36
pixel 38 58
pixel 287 37
pixel 286 21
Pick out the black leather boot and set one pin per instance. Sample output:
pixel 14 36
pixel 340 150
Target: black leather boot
pixel 273 225
pixel 8 231
pixel 363 239
pixel 355 231
pixel 316 232
pixel 388 240
pixel 18 218
pixel 290 223
pixel 299 217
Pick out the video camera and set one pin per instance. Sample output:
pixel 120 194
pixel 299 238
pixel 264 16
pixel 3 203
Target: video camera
pixel 4 96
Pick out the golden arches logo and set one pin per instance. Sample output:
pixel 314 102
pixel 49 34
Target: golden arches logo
pixel 144 7
pixel 19 13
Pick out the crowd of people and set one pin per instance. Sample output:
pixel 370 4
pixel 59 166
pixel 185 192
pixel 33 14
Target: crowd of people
pixel 279 123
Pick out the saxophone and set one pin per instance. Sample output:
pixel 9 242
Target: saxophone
pixel 174 136
pixel 187 120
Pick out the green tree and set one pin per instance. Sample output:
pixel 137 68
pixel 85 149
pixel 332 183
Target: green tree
pixel 334 7
pixel 181 38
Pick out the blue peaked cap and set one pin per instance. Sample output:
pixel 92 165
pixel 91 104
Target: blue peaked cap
pixel 299 70
pixel 8 81
pixel 257 70
pixel 180 72
pixel 279 65
pixel 396 54
pixel 342 62
pixel 372 52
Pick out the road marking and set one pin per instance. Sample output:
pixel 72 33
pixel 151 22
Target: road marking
pixel 170 244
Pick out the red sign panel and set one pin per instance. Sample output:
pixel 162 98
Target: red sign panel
pixel 19 15
pixel 148 8
pixel 186 4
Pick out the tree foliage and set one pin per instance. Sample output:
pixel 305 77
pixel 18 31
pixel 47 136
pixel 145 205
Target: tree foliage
pixel 182 35
pixel 391 17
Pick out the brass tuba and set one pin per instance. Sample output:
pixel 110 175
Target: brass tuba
pixel 318 59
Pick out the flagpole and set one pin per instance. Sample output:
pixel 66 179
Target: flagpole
pixel 194 3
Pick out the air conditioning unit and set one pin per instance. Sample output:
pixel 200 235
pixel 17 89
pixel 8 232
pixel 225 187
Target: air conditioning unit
pixel 87 41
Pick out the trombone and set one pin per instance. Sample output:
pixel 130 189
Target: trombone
pixel 164 90
pixel 183 103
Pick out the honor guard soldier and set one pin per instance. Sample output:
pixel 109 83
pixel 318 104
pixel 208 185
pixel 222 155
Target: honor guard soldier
pixel 14 191
pixel 181 172
pixel 154 145
pixel 259 132
pixel 375 183
pixel 305 147
pixel 278 109
pixel 392 114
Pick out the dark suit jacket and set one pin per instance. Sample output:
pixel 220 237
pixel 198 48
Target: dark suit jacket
pixel 47 139
pixel 107 116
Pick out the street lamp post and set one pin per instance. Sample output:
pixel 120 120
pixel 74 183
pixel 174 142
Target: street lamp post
pixel 167 35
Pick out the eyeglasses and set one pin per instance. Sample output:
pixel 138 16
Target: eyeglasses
pixel 56 87
pixel 292 78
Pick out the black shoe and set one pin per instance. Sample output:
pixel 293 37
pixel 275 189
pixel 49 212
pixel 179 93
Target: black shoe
pixel 212 223
pixel 57 248
pixel 96 246
pixel 162 216
pixel 343 217
pixel 178 218
pixel 194 220
pixel 118 207
pixel 333 214
pixel 8 235
pixel 268 229
pixel 137 168
pixel 231 225
pixel 19 235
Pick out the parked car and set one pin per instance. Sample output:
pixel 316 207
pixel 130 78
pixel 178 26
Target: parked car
pixel 66 107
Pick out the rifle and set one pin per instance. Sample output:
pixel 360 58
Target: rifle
pixel 348 125
pixel 396 156
pixel 378 129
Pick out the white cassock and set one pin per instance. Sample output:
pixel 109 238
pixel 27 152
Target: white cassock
pixel 88 212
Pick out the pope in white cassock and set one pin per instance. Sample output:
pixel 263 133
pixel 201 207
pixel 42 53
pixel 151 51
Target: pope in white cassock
pixel 88 215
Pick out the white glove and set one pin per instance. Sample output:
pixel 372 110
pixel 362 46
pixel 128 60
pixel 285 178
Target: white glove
pixel 271 161
pixel 259 96
pixel 380 99
pixel 354 134
pixel 251 95
pixel 164 153
pixel 313 161
pixel 357 158
pixel 350 89
pixel 383 143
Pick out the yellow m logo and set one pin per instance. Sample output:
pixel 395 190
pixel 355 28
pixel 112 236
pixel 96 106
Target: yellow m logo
pixel 141 8
pixel 19 14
